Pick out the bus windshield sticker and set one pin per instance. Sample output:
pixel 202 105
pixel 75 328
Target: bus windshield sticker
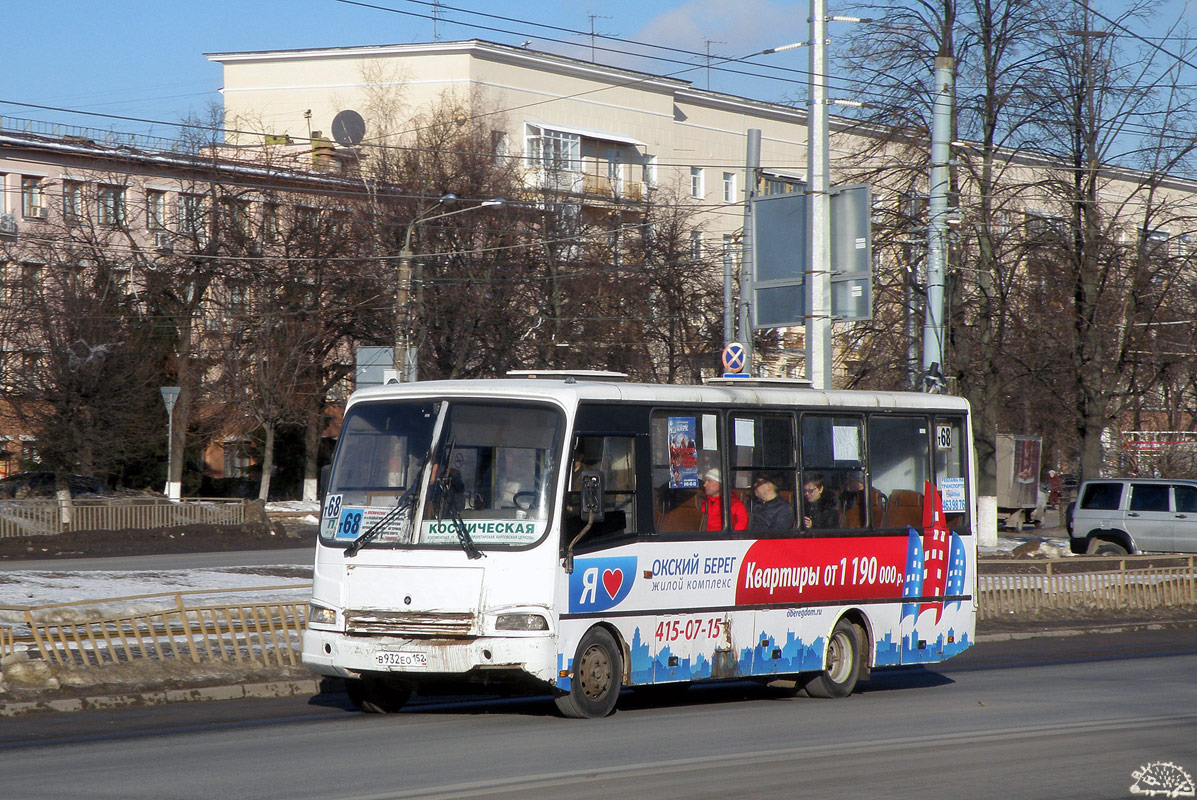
pixel 353 522
pixel 683 458
pixel 845 443
pixel 952 492
pixel 483 531
pixel 745 433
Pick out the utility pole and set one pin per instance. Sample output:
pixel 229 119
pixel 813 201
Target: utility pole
pixel 818 274
pixel 752 166
pixel 937 224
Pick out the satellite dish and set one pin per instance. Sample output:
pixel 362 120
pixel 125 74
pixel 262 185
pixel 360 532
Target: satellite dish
pixel 348 128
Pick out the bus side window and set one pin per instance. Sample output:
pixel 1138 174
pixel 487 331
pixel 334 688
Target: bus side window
pixel 685 448
pixel 834 490
pixel 615 457
pixel 900 465
pixel 763 464
pixel 950 476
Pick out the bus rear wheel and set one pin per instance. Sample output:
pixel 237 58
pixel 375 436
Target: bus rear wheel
pixel 842 663
pixel 377 695
pixel 597 677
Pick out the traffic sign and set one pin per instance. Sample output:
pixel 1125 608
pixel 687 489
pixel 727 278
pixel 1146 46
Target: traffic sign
pixel 734 358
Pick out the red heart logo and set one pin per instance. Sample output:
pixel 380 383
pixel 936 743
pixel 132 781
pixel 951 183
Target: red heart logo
pixel 612 580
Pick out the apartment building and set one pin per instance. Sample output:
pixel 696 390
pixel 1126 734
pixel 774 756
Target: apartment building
pixel 75 201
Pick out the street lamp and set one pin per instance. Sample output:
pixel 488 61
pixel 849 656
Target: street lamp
pixel 405 359
pixel 174 489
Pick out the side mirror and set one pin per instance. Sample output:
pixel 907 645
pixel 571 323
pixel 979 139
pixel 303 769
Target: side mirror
pixel 592 493
pixel 322 482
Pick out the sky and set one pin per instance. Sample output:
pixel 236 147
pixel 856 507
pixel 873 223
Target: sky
pixel 144 60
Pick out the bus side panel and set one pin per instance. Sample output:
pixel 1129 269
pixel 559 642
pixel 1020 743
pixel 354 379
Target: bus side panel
pixel 699 609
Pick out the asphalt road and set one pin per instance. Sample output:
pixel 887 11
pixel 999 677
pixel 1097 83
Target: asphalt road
pixel 1042 718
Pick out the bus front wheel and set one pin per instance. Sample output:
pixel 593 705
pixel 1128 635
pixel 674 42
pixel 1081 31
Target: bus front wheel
pixel 597 677
pixel 377 695
pixel 842 663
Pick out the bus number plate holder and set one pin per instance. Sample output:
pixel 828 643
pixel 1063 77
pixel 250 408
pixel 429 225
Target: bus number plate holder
pixel 391 659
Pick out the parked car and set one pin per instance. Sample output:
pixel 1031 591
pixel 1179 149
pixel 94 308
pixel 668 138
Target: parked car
pixel 40 483
pixel 1116 516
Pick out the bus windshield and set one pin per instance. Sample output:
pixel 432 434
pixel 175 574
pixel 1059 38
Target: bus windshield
pixel 492 465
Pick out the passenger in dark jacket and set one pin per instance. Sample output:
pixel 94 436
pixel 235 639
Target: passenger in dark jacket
pixel 769 512
pixel 819 508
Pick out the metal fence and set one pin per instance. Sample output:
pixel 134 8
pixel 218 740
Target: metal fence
pixel 82 635
pixel 1085 584
pixel 40 517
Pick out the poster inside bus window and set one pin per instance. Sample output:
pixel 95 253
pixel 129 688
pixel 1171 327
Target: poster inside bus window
pixel 683 454
pixel 951 491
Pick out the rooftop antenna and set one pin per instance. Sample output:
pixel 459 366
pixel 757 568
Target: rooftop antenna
pixel 709 43
pixel 593 17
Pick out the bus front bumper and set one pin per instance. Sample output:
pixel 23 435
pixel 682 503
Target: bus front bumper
pixel 335 654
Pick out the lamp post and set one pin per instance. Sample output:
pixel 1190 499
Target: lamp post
pixel 170 394
pixel 406 357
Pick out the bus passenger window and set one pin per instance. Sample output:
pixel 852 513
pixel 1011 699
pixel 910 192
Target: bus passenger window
pixel 950 477
pixel 900 465
pixel 763 463
pixel 685 449
pixel 833 475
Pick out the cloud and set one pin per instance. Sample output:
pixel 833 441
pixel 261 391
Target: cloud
pixel 735 29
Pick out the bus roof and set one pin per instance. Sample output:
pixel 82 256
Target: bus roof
pixel 569 392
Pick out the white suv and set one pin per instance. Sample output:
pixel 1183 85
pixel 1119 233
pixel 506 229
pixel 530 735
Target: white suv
pixel 1116 516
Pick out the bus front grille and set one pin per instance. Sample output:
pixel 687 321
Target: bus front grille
pixel 406 623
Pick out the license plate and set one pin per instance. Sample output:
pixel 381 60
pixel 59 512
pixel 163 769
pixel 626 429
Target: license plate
pixel 398 660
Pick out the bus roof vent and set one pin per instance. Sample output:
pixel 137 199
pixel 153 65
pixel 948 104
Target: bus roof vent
pixel 569 375
pixel 760 383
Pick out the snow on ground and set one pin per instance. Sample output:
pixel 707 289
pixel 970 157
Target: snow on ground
pixel 217 584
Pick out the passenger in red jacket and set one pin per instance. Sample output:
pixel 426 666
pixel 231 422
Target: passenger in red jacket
pixel 712 504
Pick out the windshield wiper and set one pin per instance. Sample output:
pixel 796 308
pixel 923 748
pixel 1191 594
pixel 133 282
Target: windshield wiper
pixel 405 503
pixel 450 498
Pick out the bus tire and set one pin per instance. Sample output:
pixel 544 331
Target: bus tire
pixel 842 663
pixel 377 695
pixel 597 677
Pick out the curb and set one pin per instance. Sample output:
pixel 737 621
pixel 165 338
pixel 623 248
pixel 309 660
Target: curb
pixel 269 689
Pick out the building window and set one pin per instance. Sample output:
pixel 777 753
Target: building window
pixel 193 214
pixel 236 217
pixel 307 219
pixel 696 245
pixel 238 304
pixel 155 210
pixel 649 175
pixel 555 150
pixel 112 206
pixel 270 230
pixel 615 169
pixel 729 187
pixel 72 201
pixel 696 187
pixel 31 197
pixel 499 147
pixel 31 282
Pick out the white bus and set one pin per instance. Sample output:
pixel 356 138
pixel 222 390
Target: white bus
pixel 581 535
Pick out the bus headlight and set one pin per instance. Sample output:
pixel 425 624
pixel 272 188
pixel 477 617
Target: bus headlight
pixel 521 622
pixel 320 615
